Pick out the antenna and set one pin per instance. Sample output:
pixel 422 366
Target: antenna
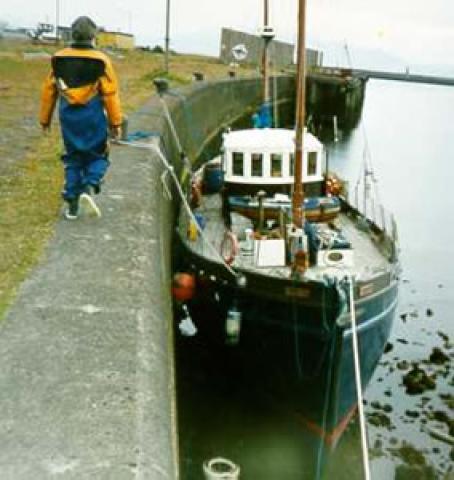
pixel 167 39
pixel 267 33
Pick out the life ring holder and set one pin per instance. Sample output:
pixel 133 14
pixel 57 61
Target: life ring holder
pixel 229 247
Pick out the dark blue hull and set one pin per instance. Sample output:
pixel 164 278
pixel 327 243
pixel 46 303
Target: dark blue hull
pixel 299 349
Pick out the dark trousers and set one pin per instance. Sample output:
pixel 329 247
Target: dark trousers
pixel 84 130
pixel 81 172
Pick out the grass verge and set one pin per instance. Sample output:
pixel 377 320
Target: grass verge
pixel 29 206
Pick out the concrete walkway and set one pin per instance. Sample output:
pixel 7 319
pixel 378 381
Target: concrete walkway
pixel 86 375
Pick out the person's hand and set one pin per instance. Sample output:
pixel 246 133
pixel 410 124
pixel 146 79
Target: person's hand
pixel 116 132
pixel 46 128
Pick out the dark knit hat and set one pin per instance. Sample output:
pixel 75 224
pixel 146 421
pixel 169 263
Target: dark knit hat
pixel 83 30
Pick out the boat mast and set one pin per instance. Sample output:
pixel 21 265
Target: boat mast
pixel 263 118
pixel 266 88
pixel 298 192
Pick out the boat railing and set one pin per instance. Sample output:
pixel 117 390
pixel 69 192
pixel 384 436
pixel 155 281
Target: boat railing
pixel 367 202
pixel 381 220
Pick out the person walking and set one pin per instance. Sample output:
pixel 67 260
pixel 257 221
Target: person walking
pixel 84 81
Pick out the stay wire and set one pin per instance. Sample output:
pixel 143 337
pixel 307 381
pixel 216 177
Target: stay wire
pixel 367 155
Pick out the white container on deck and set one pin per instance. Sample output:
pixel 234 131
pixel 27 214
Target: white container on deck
pixel 220 469
pixel 233 326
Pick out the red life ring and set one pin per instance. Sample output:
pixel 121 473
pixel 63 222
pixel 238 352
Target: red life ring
pixel 229 247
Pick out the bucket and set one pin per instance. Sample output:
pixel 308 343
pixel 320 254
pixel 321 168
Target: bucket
pixel 220 469
pixel 213 178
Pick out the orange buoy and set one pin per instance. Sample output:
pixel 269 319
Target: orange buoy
pixel 183 286
pixel 333 185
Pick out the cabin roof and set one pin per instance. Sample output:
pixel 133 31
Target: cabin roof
pixel 272 139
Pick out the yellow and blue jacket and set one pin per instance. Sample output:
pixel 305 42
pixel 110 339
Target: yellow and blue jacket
pixel 78 75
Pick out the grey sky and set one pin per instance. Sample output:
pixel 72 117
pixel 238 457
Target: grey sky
pixel 415 30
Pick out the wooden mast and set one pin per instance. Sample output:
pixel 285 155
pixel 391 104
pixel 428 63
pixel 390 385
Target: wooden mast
pixel 298 192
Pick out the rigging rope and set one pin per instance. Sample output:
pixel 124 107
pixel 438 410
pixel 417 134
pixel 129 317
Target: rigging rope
pixel 169 168
pixel 367 156
pixel 359 393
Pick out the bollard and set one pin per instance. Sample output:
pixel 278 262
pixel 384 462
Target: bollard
pixel 124 128
pixel 198 76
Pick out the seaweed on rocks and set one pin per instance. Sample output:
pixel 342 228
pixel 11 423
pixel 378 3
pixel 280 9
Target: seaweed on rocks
pixel 448 400
pixel 386 407
pixel 438 357
pixel 415 472
pixel 403 365
pixel 412 413
pixel 409 454
pixel 417 381
pixel 379 419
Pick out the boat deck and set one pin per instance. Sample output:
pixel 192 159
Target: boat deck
pixel 364 259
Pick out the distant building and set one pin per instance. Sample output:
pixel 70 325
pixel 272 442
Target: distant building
pixel 280 54
pixel 45 33
pixel 15 34
pixel 120 40
pixel 314 58
pixel 65 34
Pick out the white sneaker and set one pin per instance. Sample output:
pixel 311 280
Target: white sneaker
pixel 87 202
pixel 69 216
pixel 72 209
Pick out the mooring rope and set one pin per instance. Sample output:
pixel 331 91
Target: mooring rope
pixel 169 168
pixel 359 393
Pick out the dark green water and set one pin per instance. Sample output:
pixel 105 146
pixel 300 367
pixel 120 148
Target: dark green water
pixel 409 130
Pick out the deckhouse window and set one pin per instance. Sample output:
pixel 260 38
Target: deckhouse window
pixel 276 164
pixel 257 165
pixel 292 164
pixel 238 163
pixel 312 163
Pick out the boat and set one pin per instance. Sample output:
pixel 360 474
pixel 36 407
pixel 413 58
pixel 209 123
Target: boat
pixel 296 271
